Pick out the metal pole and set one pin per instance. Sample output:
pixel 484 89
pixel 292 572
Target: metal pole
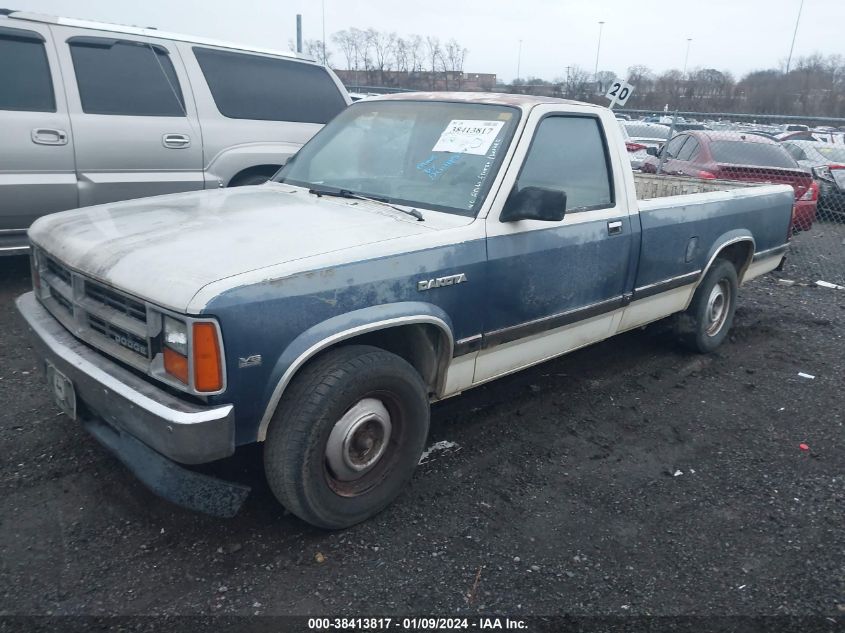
pixel 298 33
pixel 598 50
pixel 325 60
pixel 794 33
pixel 663 155
pixel 519 59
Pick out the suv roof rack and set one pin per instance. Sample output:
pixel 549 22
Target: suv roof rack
pixel 147 31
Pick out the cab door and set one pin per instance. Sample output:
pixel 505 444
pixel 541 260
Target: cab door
pixel 36 142
pixel 134 120
pixel 556 286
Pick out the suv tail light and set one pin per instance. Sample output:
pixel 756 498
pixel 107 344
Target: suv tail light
pixel 634 147
pixel 706 175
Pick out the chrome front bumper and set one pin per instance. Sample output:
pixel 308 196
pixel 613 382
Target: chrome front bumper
pixel 179 430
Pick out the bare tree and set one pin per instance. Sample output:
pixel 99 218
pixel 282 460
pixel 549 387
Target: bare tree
pixel 638 74
pixel 577 83
pixel 454 58
pixel 415 53
pixel 315 50
pixel 603 80
pixel 381 46
pixel 401 55
pixel 360 48
pixel 434 54
pixel 345 42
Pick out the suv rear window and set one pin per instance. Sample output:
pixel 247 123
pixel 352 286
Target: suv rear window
pixel 754 154
pixel 269 89
pixel 24 72
pixel 125 77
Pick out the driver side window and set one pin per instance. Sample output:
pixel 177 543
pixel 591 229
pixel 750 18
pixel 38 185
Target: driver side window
pixel 568 153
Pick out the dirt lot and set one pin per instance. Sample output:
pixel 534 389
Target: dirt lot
pixel 627 478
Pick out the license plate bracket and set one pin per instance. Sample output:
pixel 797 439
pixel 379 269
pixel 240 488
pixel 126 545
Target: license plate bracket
pixel 63 391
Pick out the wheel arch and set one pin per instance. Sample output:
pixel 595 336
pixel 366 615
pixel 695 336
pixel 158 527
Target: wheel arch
pixel 737 247
pixel 420 333
pixel 257 170
pixel 236 160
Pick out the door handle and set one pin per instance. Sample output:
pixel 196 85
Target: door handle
pixel 614 228
pixel 176 141
pixel 48 136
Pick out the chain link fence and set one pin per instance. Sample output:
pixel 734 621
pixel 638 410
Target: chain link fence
pixel 811 159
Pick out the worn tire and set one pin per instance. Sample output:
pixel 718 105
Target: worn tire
pixel 703 327
pixel 322 396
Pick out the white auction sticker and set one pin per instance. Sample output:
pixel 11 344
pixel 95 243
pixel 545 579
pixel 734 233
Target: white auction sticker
pixel 465 136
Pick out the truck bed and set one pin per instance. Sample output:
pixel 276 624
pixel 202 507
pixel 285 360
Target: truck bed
pixel 650 186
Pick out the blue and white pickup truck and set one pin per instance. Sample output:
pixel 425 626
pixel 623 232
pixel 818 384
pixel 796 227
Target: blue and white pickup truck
pixel 418 246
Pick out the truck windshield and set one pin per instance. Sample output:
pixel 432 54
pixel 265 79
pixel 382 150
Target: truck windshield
pixel 432 155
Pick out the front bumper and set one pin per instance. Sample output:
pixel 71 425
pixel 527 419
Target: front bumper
pixel 147 428
pixel 179 430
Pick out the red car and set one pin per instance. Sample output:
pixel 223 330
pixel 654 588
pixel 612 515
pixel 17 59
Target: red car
pixel 739 156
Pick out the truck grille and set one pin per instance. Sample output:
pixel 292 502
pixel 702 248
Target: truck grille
pixel 105 318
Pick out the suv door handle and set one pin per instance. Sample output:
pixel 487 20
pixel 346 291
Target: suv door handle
pixel 176 141
pixel 48 136
pixel 614 228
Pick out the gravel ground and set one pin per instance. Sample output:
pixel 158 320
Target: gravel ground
pixel 629 478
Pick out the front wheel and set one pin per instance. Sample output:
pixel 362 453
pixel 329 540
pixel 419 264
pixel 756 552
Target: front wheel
pixel 707 321
pixel 347 436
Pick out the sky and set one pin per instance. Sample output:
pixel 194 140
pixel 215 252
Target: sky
pixel 734 35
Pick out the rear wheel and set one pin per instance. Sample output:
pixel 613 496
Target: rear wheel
pixel 347 436
pixel 707 321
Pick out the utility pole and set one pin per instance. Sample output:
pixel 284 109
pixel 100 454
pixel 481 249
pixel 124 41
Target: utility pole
pixel 325 60
pixel 686 58
pixel 794 33
pixel 598 50
pixel 519 59
pixel 298 32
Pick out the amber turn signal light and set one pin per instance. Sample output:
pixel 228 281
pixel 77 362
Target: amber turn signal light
pixel 176 365
pixel 208 373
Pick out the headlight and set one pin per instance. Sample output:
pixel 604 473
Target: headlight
pixel 176 335
pixel 192 354
pixel 176 349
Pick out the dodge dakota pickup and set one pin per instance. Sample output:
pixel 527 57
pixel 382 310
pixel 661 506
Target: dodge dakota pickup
pixel 418 246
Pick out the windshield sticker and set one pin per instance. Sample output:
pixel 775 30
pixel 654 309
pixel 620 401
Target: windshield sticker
pixel 465 136
pixel 430 167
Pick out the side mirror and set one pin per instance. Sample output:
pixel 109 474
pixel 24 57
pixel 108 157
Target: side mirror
pixel 652 151
pixel 534 203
